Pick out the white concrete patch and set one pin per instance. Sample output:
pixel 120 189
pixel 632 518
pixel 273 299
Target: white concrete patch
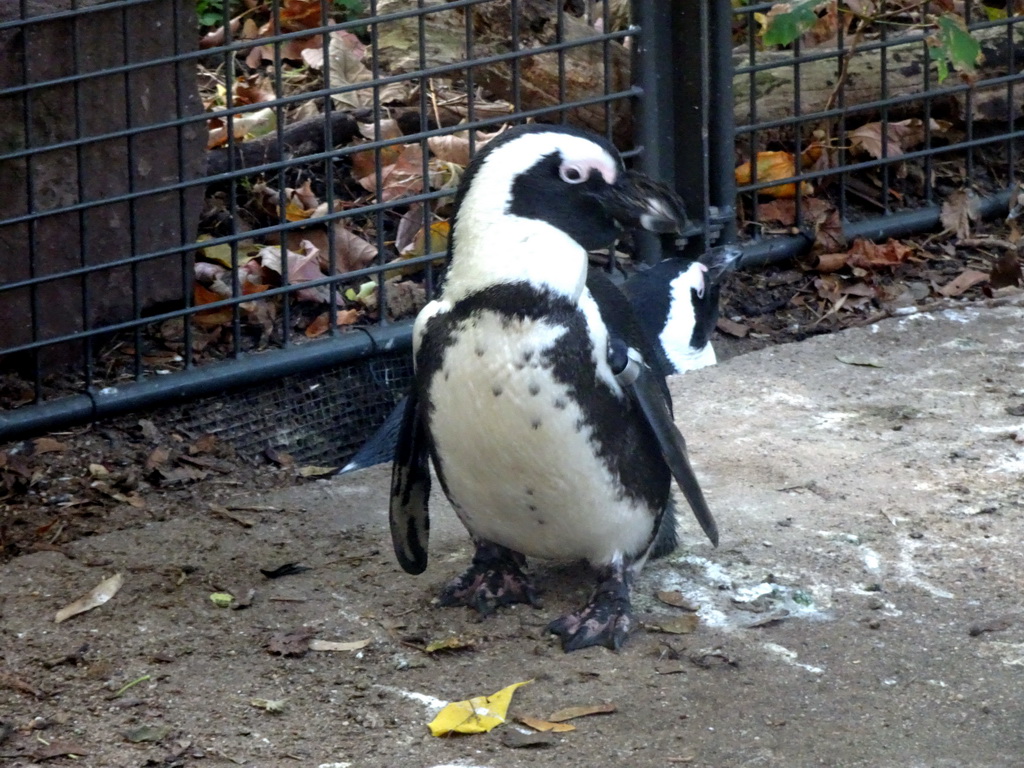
pixel 432 703
pixel 908 571
pixel 832 419
pixel 788 398
pixel 872 560
pixel 718 607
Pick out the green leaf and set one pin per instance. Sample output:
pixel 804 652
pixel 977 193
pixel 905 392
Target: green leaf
pixel 954 45
pixel 787 21
pixel 964 50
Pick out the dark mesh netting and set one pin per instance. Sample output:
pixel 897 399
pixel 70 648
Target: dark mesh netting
pixel 319 419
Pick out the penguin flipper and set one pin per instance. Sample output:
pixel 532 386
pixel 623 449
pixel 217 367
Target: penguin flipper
pixel 642 386
pixel 380 448
pixel 408 514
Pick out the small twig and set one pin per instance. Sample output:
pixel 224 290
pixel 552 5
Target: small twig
pixel 133 683
pixel 433 101
pixel 984 242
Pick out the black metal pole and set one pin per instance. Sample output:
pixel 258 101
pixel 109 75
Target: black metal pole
pixel 655 127
pixel 721 123
pixel 900 224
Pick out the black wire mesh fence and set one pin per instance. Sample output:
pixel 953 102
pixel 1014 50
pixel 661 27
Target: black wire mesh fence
pixel 194 204
pixel 860 127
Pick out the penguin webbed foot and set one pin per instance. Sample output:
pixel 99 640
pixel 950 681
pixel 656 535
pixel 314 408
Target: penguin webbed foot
pixel 606 620
pixel 494 579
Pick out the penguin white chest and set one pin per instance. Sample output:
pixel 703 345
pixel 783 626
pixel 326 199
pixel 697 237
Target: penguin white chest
pixel 520 462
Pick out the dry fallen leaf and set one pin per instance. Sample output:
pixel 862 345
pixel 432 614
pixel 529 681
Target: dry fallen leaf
pixel 269 705
pixel 331 645
pixel 47 445
pixel 731 327
pixel 313 471
pixel 1007 271
pixel 99 595
pixel 959 210
pixel 449 644
pixel 963 282
pixel 477 715
pixel 868 255
pixel 294 643
pixel 674 625
pixel 677 599
pixel 902 136
pixel 864 362
pixel 570 713
pixel 545 725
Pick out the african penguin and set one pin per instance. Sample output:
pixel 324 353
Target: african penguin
pixel 676 304
pixel 537 397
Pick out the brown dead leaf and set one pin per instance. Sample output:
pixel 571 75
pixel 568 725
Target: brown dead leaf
pixel 47 445
pixel 674 625
pixel 294 643
pixel 731 327
pixel 59 749
pixel 901 136
pixel 203 444
pixel 963 282
pixel 677 599
pixel 545 725
pixel 869 255
pixel 157 458
pixel 12 681
pixel 297 15
pixel 778 211
pixel 454 147
pixel 180 476
pixel 280 458
pixel 315 471
pixel 959 210
pixel 1007 271
pixel 830 262
pixel 388 129
pixel 571 713
pixel 321 324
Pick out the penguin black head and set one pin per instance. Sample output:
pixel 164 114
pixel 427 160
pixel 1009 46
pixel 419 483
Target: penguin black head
pixel 537 198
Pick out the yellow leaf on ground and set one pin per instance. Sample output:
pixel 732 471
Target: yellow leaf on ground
pixel 772 166
pixel 478 715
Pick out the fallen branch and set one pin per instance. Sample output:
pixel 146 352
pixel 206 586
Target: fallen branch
pixel 305 137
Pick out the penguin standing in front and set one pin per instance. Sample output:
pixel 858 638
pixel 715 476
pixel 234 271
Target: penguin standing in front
pixel 676 304
pixel 537 396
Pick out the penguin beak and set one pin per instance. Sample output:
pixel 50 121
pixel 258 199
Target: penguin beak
pixel 636 200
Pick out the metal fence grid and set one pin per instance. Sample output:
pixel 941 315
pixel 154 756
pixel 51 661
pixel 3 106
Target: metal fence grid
pixel 830 104
pixel 291 125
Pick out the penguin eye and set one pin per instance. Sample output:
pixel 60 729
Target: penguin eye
pixel 571 174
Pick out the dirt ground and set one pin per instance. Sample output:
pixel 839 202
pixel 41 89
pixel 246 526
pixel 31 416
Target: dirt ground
pixel 863 608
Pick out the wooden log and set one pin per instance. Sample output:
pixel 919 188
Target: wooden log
pixel 444 42
pixel 773 89
pixel 305 137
